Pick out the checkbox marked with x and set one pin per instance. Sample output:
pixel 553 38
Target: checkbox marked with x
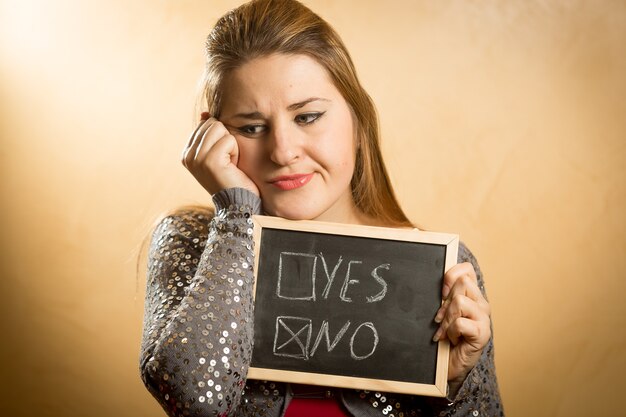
pixel 293 337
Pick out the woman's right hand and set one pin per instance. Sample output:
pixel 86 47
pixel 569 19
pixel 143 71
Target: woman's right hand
pixel 212 154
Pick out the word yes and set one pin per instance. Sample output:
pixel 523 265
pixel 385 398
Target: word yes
pixel 293 266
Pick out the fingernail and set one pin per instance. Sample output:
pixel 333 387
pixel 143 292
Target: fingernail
pixel 438 316
pixel 445 291
pixel 436 336
pixel 205 115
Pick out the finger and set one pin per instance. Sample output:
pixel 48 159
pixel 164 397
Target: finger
pixel 202 126
pixel 464 269
pixel 225 150
pixel 475 333
pixel 460 307
pixel 467 287
pixel 216 169
pixel 451 277
pixel 189 151
pixel 185 157
pixel 211 136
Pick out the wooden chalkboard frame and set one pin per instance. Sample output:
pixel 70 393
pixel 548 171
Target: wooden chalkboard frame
pixel 451 241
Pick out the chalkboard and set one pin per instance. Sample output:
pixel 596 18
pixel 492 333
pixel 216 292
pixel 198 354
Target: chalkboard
pixel 349 306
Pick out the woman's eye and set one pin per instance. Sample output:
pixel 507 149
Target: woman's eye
pixel 251 130
pixel 308 118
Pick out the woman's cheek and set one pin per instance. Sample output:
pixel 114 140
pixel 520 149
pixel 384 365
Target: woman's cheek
pixel 249 159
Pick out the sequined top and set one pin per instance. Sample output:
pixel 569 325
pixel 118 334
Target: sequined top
pixel 197 336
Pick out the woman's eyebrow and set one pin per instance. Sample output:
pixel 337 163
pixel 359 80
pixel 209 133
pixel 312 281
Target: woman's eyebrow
pixel 253 115
pixel 300 104
pixel 256 115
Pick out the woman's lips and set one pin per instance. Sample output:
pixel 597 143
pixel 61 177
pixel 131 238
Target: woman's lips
pixel 291 182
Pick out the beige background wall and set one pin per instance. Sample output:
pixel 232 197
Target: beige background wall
pixel 503 121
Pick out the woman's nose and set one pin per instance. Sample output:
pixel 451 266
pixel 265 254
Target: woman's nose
pixel 285 146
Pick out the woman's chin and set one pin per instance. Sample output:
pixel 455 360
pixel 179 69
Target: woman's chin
pixel 292 212
pixel 292 216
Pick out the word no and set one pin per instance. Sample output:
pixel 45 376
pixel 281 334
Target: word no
pixel 293 338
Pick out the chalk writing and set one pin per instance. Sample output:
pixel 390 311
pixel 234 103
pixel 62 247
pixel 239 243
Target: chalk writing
pixel 293 338
pixel 347 282
pixel 330 277
pixel 381 281
pixel 297 274
pixel 288 337
pixel 370 326
pixel 324 332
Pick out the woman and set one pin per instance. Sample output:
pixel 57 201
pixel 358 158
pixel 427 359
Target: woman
pixel 289 132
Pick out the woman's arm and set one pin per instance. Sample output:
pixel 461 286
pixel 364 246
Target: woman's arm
pixel 478 394
pixel 198 323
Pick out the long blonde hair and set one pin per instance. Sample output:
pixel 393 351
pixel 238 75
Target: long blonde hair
pixel 264 27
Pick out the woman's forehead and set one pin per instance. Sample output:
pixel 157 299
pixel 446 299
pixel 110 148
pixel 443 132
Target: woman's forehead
pixel 278 79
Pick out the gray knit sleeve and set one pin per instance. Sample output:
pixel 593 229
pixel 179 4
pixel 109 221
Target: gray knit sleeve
pixel 197 339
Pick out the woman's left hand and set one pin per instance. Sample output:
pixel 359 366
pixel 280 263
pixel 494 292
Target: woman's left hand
pixel 464 319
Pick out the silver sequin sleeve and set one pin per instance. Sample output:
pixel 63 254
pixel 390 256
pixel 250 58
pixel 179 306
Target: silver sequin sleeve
pixel 197 337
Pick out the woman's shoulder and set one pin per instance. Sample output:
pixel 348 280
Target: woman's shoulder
pixel 194 213
pixel 466 255
pixel 186 221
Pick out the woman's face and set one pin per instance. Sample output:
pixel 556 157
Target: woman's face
pixel 296 137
